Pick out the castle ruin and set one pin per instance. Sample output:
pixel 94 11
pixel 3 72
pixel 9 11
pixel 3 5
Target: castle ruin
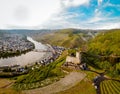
pixel 74 61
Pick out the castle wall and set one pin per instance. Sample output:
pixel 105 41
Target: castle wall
pixel 75 60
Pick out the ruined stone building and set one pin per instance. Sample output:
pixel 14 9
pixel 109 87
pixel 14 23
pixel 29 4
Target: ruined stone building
pixel 73 61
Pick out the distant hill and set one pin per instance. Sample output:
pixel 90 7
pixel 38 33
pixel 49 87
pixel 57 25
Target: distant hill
pixel 70 38
pixel 2 33
pixel 25 31
pixel 106 43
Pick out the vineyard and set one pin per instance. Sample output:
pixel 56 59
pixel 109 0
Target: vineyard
pixel 41 76
pixel 45 82
pixel 110 87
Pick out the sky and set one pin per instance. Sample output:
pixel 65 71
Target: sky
pixel 57 14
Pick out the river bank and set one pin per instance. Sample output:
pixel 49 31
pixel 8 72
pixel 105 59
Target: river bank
pixel 14 44
pixel 28 58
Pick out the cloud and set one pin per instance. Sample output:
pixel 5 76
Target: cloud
pixel 98 21
pixel 110 26
pixel 27 12
pixel 62 20
pixel 54 14
pixel 106 25
pixel 97 16
pixel 32 13
pixel 74 3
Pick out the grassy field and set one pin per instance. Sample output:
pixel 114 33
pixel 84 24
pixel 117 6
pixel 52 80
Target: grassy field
pixel 83 87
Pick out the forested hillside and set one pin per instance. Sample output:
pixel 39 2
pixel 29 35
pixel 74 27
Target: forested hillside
pixel 106 48
pixel 106 43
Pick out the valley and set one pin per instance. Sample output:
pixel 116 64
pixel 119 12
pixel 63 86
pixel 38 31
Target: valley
pixel 97 73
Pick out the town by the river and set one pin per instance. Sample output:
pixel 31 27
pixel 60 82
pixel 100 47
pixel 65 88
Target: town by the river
pixel 29 57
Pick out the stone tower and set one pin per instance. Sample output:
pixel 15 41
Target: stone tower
pixel 79 56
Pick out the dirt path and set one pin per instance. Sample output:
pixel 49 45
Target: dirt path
pixel 65 83
pixel 5 83
pixel 8 85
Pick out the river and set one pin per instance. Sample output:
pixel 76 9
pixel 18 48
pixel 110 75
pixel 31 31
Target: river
pixel 28 58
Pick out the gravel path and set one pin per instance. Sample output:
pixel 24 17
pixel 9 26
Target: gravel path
pixel 65 83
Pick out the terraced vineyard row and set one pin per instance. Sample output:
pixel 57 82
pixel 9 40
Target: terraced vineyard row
pixel 110 87
pixel 45 82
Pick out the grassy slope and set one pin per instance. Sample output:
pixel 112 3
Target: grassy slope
pixel 54 70
pixel 83 87
pixel 106 43
pixel 50 71
pixel 67 37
